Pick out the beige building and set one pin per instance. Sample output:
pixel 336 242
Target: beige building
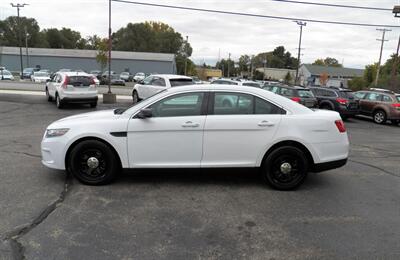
pixel 277 74
pixel 206 73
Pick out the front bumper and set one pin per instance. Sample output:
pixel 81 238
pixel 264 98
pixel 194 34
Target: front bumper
pixel 53 155
pixel 319 167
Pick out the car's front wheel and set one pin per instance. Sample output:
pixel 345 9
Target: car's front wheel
pixel 93 162
pixel 379 117
pixel 285 168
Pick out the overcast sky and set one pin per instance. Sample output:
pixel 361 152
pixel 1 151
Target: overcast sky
pixel 211 34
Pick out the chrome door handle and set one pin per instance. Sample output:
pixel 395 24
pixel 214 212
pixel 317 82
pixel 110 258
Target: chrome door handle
pixel 265 123
pixel 190 124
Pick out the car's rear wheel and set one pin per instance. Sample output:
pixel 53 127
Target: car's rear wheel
pixel 49 98
pixel 379 117
pixel 93 162
pixel 59 102
pixel 93 105
pixel 135 97
pixel 285 168
pixel 327 107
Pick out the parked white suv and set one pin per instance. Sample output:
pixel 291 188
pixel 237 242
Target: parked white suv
pixel 72 87
pixel 156 83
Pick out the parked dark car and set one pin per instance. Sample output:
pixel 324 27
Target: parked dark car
pixel 381 104
pixel 28 72
pixel 115 80
pixel 338 99
pixel 298 94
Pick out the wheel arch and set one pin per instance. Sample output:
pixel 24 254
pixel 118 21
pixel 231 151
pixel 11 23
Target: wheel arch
pixel 327 103
pixel 292 143
pixel 76 142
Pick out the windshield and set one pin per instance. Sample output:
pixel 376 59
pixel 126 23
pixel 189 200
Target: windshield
pixel 139 74
pixel 6 72
pixel 347 94
pixel 305 93
pixel 251 84
pixel 181 82
pixel 124 73
pixel 28 70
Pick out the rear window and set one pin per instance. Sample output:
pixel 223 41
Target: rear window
pixel 305 93
pixel 77 81
pixel 181 82
pixel 347 94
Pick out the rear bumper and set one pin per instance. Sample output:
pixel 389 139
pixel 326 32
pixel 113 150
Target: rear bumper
pixel 80 100
pixel 319 167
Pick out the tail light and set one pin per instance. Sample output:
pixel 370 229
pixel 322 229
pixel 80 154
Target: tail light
pixel 295 99
pixel 340 126
pixel 65 83
pixel 396 106
pixel 92 81
pixel 342 101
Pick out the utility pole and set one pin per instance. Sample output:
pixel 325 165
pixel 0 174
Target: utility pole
pixel 186 47
pixel 393 77
pixel 380 54
pixel 265 65
pixel 301 24
pixel 229 64
pixel 18 6
pixel 26 47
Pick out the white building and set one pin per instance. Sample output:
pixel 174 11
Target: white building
pixel 277 74
pixel 309 75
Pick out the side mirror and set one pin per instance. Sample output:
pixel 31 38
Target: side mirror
pixel 145 113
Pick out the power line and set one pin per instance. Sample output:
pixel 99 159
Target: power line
pixel 336 5
pixel 257 15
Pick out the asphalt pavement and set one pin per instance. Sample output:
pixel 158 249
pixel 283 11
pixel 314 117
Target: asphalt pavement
pixel 351 212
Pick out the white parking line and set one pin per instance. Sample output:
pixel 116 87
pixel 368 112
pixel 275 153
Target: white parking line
pixel 40 93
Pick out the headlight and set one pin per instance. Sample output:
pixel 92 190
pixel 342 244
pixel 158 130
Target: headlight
pixel 56 132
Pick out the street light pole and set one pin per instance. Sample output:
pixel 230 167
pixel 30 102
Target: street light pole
pixel 380 54
pixel 186 47
pixel 109 47
pixel 301 24
pixel 229 64
pixel 18 6
pixel 26 47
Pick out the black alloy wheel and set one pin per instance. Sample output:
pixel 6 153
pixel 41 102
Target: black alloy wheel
pixel 285 168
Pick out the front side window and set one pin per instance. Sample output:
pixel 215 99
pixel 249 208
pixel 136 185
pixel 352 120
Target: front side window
pixel 360 95
pixel 179 105
pixel 147 80
pixel 305 93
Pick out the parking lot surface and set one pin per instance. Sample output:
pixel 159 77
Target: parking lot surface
pixel 351 212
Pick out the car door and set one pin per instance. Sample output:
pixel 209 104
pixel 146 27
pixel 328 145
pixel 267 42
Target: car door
pixel 235 136
pixel 142 87
pixel 52 85
pixel 371 100
pixel 156 85
pixel 172 137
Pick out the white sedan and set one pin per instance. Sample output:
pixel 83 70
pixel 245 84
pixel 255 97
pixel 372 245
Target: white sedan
pixel 156 83
pixel 39 77
pixel 189 127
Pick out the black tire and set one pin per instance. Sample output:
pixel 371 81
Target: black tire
pixel 379 117
pixel 327 107
pixel 107 164
pixel 49 98
pixel 135 97
pixel 395 122
pixel 59 102
pixel 93 105
pixel 282 159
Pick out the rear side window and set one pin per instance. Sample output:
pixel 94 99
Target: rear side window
pixel 305 93
pixel 181 82
pixel 77 81
pixel 242 104
pixel 287 92
pixel 398 98
pixel 374 97
pixel 386 98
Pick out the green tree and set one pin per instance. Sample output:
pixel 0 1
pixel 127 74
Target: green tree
pixel 328 61
pixel 288 78
pixel 244 62
pixel 102 53
pixel 223 66
pixel 370 73
pixel 357 83
pixel 10 30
